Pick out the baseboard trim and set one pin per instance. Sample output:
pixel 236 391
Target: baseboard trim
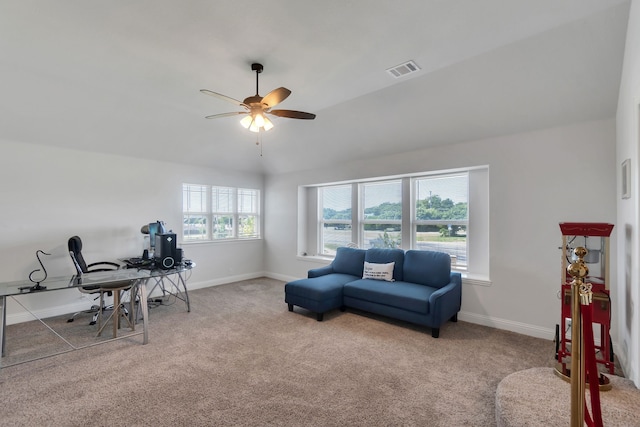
pixel 282 277
pixel 225 280
pixel 508 325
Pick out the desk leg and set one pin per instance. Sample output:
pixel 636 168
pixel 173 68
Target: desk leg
pixel 116 312
pixel 3 319
pixel 186 294
pixel 142 296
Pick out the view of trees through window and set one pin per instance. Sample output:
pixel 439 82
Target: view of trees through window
pixel 439 216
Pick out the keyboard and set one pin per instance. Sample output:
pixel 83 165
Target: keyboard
pixel 137 262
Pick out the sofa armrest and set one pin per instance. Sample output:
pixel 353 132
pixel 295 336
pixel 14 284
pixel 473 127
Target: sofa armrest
pixel 322 271
pixel 446 301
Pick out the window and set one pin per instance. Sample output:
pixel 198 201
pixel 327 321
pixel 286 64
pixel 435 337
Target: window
pixel 212 213
pixel 381 213
pixel 440 212
pixel 248 218
pixel 437 215
pixel 427 211
pixel 194 208
pixel 335 218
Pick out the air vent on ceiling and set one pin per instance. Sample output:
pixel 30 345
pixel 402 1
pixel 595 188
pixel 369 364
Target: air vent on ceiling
pixel 404 69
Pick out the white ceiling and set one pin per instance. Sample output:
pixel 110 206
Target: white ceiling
pixel 123 76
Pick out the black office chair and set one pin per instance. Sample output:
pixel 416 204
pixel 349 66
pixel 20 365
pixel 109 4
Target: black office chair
pixel 75 251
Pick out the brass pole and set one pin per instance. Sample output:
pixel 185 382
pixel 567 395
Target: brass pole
pixel 577 358
pixel 578 270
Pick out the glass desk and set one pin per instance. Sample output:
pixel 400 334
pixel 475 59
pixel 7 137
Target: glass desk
pixel 170 282
pixel 103 279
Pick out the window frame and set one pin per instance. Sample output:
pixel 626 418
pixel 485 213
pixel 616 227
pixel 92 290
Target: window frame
pixel 477 269
pixel 233 210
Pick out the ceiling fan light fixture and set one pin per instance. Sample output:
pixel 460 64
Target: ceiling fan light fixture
pixel 267 124
pixel 256 122
pixel 254 127
pixel 246 121
pixel 259 119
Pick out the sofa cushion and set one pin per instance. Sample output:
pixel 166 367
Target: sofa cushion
pixel 403 295
pixel 384 256
pixel 427 268
pixel 378 271
pixel 319 288
pixel 349 261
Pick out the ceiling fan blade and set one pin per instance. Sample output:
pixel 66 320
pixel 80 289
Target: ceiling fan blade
pixel 216 116
pixel 275 97
pixel 224 98
pixel 291 114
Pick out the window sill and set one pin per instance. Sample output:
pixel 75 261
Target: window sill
pixel 315 258
pixel 216 242
pixel 474 279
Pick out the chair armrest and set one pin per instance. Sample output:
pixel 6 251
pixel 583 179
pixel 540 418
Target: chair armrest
pixel 91 266
pixel 446 301
pixel 322 271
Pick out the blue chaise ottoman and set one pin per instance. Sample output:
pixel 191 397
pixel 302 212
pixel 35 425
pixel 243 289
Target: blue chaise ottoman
pixel 322 290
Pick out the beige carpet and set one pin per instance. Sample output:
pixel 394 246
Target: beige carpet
pixel 537 397
pixel 241 359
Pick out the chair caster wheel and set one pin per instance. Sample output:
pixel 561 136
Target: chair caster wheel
pixel 92 323
pixel 69 320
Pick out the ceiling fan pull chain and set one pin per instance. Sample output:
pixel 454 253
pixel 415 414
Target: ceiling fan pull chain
pixel 259 141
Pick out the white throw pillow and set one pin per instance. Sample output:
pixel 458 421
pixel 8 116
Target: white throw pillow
pixel 378 271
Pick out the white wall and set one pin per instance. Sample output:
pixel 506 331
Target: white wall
pixel 537 180
pixel 627 291
pixel 50 194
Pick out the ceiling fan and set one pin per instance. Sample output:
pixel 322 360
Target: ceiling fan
pixel 257 107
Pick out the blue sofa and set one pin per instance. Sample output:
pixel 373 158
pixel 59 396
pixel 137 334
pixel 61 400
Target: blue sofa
pixel 423 290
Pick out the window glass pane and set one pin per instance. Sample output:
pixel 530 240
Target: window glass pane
pixel 441 198
pixel 336 218
pixel 336 202
pixel 335 235
pixel 194 198
pixel 451 239
pixel 382 236
pixel 247 226
pixel 442 202
pixel 222 199
pixel 222 226
pixel 382 214
pixel 382 200
pixel 194 227
pixel 247 201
